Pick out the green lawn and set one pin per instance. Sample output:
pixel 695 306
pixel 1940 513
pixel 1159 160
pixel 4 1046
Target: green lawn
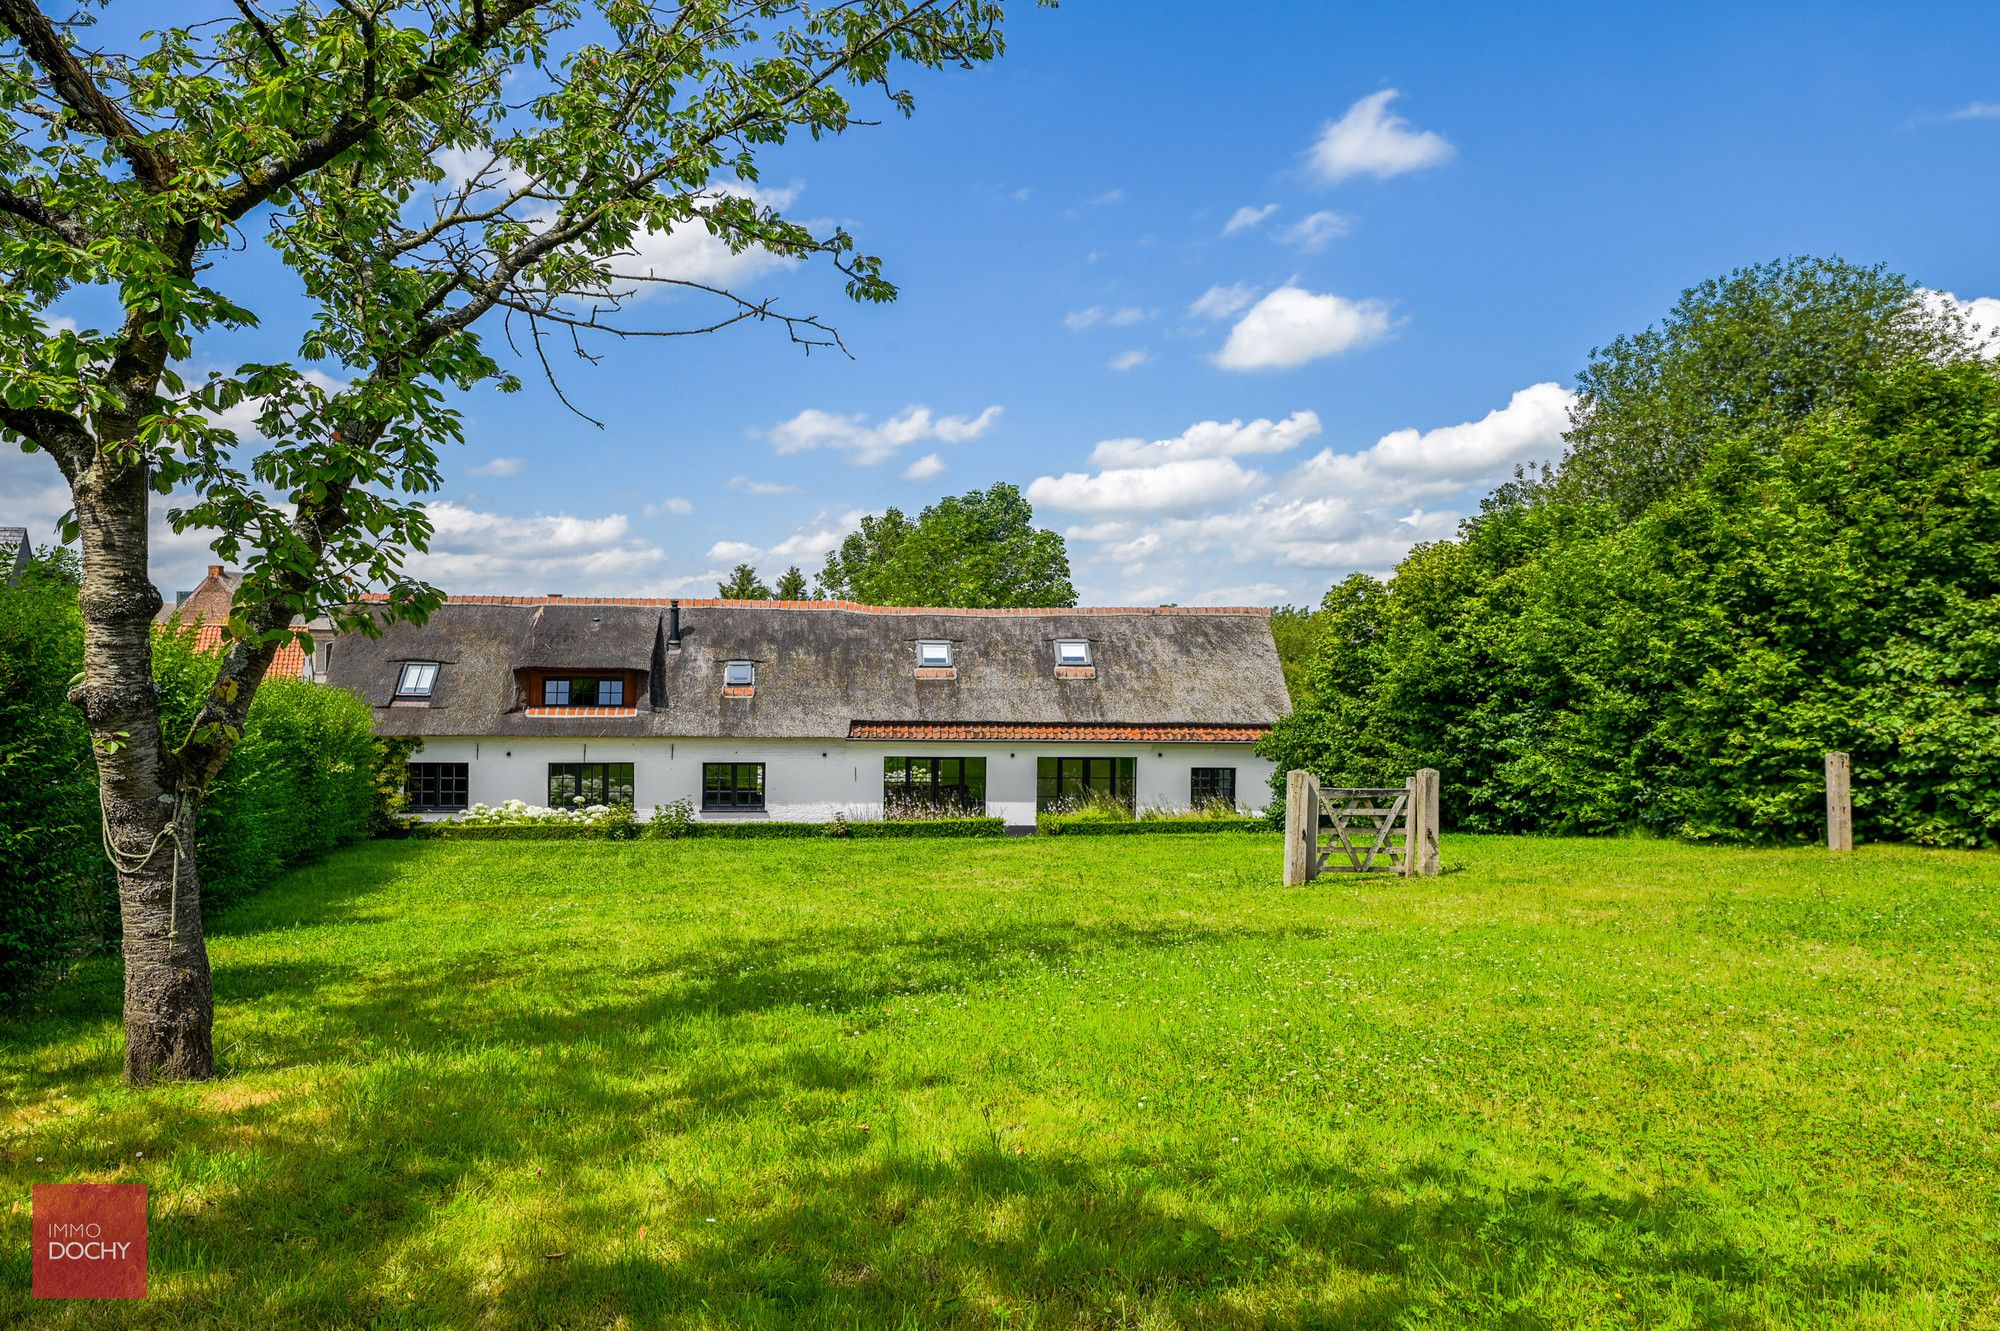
pixel 1117 1082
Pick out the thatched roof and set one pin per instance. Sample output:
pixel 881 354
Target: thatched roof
pixel 822 667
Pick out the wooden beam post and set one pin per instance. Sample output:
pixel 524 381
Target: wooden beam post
pixel 1839 802
pixel 1301 828
pixel 1412 826
pixel 1423 858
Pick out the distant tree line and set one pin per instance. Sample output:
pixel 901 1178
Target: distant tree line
pixel 1775 531
pixel 978 549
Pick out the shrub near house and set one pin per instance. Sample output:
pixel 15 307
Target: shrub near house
pixel 302 782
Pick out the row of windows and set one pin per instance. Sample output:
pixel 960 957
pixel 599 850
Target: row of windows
pixel 908 784
pixel 419 678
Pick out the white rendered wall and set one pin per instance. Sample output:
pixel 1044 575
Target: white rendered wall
pixel 810 781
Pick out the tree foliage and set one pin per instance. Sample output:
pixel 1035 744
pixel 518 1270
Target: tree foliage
pixel 743 584
pixel 1744 356
pixel 1834 584
pixel 977 549
pixel 791 585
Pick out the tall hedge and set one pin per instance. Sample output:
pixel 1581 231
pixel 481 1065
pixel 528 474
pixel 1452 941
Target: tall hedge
pixel 1837 587
pixel 301 782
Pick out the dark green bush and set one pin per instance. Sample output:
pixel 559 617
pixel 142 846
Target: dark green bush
pixel 301 782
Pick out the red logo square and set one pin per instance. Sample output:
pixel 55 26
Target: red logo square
pixel 90 1240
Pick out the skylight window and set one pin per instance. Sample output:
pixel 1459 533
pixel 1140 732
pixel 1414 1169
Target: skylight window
pixel 739 674
pixel 1073 651
pixel 417 679
pixel 934 654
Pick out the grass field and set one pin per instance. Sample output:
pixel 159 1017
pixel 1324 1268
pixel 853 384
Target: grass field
pixel 1125 1082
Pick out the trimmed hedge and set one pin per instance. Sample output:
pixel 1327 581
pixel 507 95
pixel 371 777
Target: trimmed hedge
pixel 1057 825
pixel 302 781
pixel 834 831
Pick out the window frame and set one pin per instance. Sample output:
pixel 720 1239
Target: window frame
pixel 740 798
pixel 966 796
pixel 603 777
pixel 748 670
pixel 438 779
pixel 1086 658
pixel 567 684
pixel 1217 796
pixel 404 689
pixel 950 655
pixel 1052 771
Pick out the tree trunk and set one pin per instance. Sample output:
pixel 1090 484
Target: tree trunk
pixel 149 818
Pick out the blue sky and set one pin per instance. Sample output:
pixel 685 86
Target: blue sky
pixel 1434 221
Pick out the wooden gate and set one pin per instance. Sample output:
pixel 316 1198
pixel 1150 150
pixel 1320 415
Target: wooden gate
pixel 1374 829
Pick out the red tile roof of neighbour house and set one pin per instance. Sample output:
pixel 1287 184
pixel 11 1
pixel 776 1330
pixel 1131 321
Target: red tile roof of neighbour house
pixel 1083 731
pixel 289 663
pixel 206 609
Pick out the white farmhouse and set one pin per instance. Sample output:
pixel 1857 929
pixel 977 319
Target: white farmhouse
pixel 801 710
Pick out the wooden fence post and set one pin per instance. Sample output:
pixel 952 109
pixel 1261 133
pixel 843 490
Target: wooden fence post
pixel 1423 858
pixel 1301 828
pixel 1839 802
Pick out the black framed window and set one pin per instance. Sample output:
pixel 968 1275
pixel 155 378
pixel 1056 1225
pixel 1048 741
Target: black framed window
pixel 572 785
pixel 583 691
pixel 1066 783
pixel 1212 785
pixel 732 786
pixel 923 785
pixel 436 787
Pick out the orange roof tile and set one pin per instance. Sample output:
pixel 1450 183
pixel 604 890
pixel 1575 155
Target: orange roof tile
pixel 1060 730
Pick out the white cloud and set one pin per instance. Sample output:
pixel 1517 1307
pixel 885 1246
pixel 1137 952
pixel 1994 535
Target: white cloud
pixel 1315 232
pixel 1170 487
pixel 1130 360
pixel 692 253
pixel 499 467
pixel 807 545
pixel 1981 312
pixel 1183 519
pixel 1078 320
pixel 1292 326
pixel 1371 140
pixel 1246 217
pixel 866 444
pixel 1209 439
pixel 924 468
pixel 747 486
pixel 1976 111
pixel 1107 197
pixel 671 507
pixel 474 551
pixel 1219 302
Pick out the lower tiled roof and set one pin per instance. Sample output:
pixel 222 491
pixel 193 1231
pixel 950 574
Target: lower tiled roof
pixel 1078 730
pixel 580 711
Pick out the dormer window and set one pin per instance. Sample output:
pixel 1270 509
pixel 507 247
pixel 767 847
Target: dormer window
pixel 417 679
pixel 739 674
pixel 583 691
pixel 1073 651
pixel 934 655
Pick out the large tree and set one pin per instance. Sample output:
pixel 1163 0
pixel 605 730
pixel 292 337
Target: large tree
pixel 743 584
pixel 423 168
pixel 981 548
pixel 1751 353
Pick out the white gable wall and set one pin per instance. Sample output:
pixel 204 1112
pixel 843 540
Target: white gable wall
pixel 811 781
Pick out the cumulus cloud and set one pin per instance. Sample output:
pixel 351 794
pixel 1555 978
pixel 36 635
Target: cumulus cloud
pixel 1130 360
pixel 1371 140
pixel 692 253
pixel 498 467
pixel 1185 519
pixel 924 468
pixel 1246 217
pixel 865 444
pixel 1316 231
pixel 1292 326
pixel 670 507
pixel 807 545
pixel 475 551
pixel 1219 302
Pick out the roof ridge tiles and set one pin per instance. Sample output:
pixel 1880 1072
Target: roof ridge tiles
pixel 857 607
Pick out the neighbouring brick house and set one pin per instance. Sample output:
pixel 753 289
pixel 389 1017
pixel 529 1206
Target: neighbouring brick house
pixel 811 709
pixel 206 610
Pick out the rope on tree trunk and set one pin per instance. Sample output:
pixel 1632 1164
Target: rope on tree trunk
pixel 126 863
